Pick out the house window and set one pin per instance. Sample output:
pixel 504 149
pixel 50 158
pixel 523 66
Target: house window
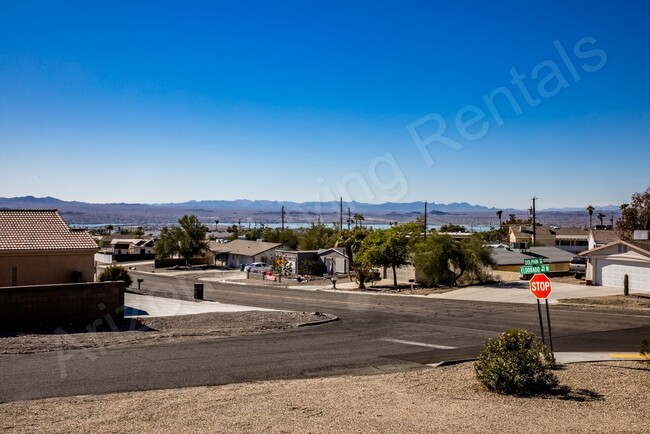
pixel 14 276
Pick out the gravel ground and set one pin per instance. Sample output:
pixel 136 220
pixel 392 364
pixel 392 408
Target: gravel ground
pixel 598 397
pixel 162 329
pixel 632 301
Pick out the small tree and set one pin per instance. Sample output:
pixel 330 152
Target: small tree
pixel 634 215
pixel 387 248
pixel 187 240
pixel 516 364
pixel 114 273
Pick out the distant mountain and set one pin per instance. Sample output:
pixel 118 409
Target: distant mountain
pixel 330 206
pixel 266 211
pixel 584 209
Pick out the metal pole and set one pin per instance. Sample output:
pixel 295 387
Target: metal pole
pixel 425 219
pixel 541 324
pixel 548 320
pixel 341 214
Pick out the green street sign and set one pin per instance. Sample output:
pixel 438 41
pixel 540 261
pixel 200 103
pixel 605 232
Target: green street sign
pixel 535 269
pixel 533 261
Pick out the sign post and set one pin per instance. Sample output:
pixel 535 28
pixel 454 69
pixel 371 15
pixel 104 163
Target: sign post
pixel 540 287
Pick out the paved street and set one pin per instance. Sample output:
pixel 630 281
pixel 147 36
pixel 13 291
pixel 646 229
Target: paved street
pixel 375 334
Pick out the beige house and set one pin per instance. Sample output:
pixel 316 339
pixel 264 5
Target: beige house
pixel 241 252
pixel 38 248
pixel 574 240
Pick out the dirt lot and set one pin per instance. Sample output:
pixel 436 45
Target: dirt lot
pixel 153 330
pixel 599 397
pixel 632 301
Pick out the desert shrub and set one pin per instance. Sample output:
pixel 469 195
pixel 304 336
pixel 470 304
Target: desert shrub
pixel 113 273
pixel 644 348
pixel 516 364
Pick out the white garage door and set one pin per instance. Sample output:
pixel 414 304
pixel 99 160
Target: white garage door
pixel 612 273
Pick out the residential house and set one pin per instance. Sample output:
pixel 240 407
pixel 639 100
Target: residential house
pixel 508 259
pixel 335 260
pixel 601 237
pixel 38 248
pixel 574 240
pixel 240 252
pixel 607 265
pixel 301 261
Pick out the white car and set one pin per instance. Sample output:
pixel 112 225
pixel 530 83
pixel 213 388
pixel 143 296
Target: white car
pixel 258 267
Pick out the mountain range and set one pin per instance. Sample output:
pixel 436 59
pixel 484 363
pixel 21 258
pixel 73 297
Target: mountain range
pixel 77 212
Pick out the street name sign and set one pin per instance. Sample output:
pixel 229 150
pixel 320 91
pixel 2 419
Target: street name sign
pixel 540 286
pixel 533 261
pixel 534 269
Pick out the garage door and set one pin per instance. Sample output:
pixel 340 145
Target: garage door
pixel 612 273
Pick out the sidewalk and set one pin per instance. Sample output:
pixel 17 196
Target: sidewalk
pixel 150 306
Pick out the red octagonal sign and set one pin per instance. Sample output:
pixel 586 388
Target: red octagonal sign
pixel 540 286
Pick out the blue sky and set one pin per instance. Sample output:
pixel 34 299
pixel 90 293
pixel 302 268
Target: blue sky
pixel 173 101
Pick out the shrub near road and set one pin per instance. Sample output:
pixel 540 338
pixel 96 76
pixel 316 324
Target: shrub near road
pixel 516 364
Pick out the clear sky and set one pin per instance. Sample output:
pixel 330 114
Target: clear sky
pixel 373 101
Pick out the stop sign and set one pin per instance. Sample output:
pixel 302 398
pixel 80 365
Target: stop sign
pixel 540 286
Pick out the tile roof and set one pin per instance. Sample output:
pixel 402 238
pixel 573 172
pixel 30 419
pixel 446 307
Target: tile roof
pixel 40 230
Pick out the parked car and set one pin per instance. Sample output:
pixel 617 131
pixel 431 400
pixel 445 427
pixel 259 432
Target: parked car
pixel 579 266
pixel 258 267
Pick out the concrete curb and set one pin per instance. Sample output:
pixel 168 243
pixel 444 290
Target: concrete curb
pixel 315 323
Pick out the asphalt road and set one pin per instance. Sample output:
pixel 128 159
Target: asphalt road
pixel 375 334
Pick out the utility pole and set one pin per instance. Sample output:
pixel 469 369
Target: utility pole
pixel 349 218
pixel 239 224
pixel 341 213
pixel 534 222
pixel 425 219
pixel 283 213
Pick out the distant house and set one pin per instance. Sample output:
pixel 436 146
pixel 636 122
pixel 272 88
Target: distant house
pixel 240 252
pixel 574 240
pixel 508 259
pixel 608 265
pixel 38 248
pixel 335 260
pixel 122 248
pixel 601 237
pixel 329 261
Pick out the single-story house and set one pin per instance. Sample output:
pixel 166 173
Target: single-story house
pixel 335 260
pixel 240 252
pixel 601 237
pixel 300 260
pixel 574 240
pixel 508 259
pixel 38 248
pixel 609 264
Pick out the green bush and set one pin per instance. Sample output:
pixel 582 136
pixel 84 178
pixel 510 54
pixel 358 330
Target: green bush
pixel 516 364
pixel 644 348
pixel 113 273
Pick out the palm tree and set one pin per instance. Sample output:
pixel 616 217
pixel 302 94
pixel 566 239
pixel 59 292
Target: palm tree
pixel 590 210
pixel 600 217
pixel 499 214
pixel 358 218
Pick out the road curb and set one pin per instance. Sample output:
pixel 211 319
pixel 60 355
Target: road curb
pixel 315 323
